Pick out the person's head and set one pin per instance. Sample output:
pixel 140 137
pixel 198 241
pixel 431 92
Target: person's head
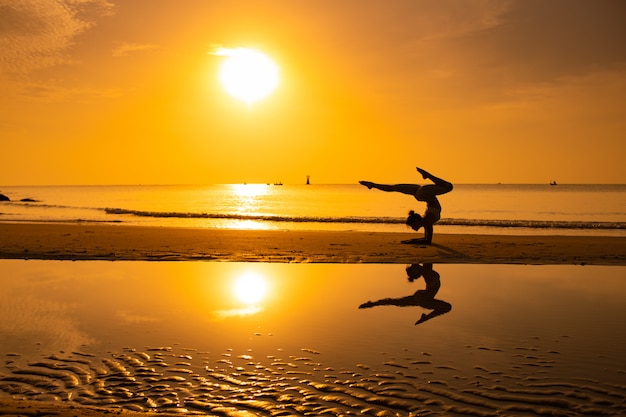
pixel 414 271
pixel 414 221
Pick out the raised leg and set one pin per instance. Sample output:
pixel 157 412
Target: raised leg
pixel 410 189
pixel 443 185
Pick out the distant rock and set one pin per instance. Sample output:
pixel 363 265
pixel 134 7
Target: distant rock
pixel 23 200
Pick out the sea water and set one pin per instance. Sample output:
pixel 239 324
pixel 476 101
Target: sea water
pixel 495 208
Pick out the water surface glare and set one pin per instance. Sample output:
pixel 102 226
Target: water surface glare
pixel 310 339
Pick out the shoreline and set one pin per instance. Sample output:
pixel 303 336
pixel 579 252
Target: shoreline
pixel 64 241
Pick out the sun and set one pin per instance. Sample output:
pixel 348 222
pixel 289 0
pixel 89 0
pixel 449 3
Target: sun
pixel 247 74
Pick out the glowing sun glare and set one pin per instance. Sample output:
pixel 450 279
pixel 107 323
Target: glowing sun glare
pixel 247 74
pixel 250 288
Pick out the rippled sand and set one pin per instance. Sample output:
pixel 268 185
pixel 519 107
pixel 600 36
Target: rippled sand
pixel 335 340
pixel 232 383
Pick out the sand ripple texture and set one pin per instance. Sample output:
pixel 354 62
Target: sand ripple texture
pixel 231 383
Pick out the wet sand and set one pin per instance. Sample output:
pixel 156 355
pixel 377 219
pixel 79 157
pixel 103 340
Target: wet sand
pixel 80 338
pixel 537 374
pixel 239 384
pixel 328 339
pixel 11 408
pixel 117 242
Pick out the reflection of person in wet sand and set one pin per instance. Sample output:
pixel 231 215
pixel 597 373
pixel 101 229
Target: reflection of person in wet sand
pixel 422 298
pixel 427 193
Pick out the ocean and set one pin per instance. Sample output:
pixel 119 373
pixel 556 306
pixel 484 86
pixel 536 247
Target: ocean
pixel 479 209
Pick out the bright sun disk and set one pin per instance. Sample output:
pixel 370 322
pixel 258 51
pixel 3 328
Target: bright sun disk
pixel 247 74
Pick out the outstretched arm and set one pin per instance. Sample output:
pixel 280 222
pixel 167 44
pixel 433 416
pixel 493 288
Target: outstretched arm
pixel 428 233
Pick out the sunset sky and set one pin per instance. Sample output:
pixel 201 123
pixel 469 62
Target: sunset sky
pixel 486 91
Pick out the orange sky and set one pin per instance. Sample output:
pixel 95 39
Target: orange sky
pixel 126 92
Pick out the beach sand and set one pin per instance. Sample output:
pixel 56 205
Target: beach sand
pixel 327 339
pixel 15 408
pixel 117 242
pixel 528 349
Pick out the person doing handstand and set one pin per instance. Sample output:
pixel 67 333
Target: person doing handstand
pixel 427 193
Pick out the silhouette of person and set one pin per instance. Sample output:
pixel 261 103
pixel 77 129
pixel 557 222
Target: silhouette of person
pixel 422 298
pixel 427 193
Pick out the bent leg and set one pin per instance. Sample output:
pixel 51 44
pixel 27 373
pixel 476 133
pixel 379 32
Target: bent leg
pixel 443 185
pixel 430 192
pixel 439 307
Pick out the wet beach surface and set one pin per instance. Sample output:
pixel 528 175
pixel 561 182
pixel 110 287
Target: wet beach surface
pixel 81 242
pixel 297 339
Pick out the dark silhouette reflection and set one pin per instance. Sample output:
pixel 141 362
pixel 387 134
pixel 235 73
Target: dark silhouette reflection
pixel 422 298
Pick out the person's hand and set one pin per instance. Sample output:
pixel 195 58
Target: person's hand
pixel 367 184
pixel 416 241
pixel 367 305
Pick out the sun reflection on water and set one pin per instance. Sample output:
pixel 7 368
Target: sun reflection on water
pixel 247 290
pixel 248 198
pixel 248 225
pixel 249 191
pixel 250 288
